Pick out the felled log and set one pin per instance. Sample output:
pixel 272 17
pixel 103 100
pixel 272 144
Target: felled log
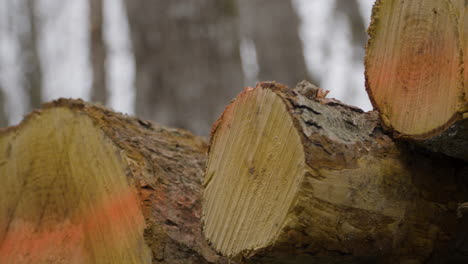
pixel 460 9
pixel 82 184
pixel 416 71
pixel 293 177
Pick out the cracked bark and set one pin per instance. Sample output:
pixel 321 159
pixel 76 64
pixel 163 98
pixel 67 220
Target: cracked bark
pixel 83 184
pixel 292 179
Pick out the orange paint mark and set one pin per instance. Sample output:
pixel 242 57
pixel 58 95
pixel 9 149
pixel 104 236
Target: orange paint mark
pixel 413 86
pixel 106 225
pixel 439 64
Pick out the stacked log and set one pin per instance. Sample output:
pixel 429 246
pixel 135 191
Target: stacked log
pixel 291 176
pixel 416 74
pixel 295 177
pixel 82 184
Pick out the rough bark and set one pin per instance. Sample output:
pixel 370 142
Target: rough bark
pixel 98 52
pixel 82 184
pixel 453 141
pixel 415 72
pixel 187 60
pixel 293 177
pixel 273 26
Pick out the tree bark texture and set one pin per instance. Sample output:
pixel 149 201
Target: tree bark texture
pixel 83 184
pixel 293 177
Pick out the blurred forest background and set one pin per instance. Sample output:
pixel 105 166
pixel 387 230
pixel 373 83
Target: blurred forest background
pixel 177 62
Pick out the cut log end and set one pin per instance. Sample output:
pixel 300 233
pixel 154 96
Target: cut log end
pixel 65 194
pixel 294 178
pixel 414 66
pixel 83 184
pixel 257 142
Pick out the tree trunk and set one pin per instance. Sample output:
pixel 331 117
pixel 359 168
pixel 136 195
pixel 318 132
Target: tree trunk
pixel 98 52
pixel 414 71
pixel 273 26
pixel 82 184
pixel 32 65
pixel 187 60
pixel 350 9
pixel 3 115
pixel 293 177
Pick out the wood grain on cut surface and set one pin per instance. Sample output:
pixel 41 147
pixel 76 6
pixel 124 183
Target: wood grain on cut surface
pixel 294 178
pixel 83 184
pixel 414 66
pixel 258 145
pixel 460 9
pixel 65 196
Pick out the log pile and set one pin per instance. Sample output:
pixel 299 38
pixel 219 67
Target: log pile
pixel 415 72
pixel 291 176
pixel 82 184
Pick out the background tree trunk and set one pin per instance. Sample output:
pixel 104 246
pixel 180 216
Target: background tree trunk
pixel 350 9
pixel 3 114
pixel 31 59
pixel 273 25
pixel 187 60
pixel 98 52
pixel 82 184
